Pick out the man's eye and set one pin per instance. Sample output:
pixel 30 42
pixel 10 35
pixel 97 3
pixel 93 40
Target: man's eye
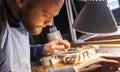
pixel 48 16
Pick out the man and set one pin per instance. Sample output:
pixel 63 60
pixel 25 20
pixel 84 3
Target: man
pixel 18 17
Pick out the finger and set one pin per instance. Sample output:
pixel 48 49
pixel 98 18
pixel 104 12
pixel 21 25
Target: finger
pixel 58 47
pixel 49 53
pixel 110 64
pixel 65 43
pixel 95 67
pixel 112 57
pixel 115 58
pixel 109 56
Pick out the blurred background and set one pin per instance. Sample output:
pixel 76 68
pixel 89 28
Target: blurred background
pixel 63 22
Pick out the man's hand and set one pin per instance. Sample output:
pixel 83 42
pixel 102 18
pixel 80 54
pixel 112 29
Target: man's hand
pixel 100 63
pixel 55 46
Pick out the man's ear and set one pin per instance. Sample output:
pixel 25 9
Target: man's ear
pixel 21 3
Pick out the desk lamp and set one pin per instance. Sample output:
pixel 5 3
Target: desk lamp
pixel 95 17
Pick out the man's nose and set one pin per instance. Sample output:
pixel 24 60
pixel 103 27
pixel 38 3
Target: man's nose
pixel 49 22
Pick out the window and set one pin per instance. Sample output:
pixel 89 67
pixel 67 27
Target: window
pixel 113 4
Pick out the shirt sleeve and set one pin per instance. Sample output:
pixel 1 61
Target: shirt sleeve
pixel 69 69
pixel 36 52
pixel 3 65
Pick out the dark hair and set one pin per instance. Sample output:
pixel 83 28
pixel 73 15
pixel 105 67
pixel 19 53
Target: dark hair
pixel 2 18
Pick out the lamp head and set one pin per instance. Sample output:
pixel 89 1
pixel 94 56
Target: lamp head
pixel 95 17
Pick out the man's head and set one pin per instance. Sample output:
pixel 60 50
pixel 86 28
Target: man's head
pixel 37 14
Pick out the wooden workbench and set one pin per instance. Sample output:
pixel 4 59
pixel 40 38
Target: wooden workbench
pixel 111 42
pixel 41 68
pixel 37 67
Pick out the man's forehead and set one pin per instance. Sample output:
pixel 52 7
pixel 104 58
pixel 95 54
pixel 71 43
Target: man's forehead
pixel 51 13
